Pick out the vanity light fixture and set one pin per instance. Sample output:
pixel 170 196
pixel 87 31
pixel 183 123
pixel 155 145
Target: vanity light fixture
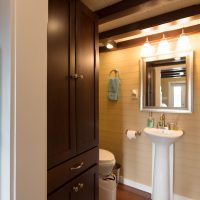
pixel 111 44
pixel 181 73
pixel 163 46
pixel 177 58
pixel 147 49
pixel 183 42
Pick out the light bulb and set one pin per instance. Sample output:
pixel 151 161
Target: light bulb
pixel 109 46
pixel 183 43
pixel 163 46
pixel 147 49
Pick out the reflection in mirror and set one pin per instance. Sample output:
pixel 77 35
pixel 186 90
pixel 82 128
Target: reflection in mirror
pixel 167 83
pixel 165 78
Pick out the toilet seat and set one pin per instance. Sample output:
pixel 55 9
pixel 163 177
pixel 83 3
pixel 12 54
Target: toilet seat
pixel 106 157
pixel 106 162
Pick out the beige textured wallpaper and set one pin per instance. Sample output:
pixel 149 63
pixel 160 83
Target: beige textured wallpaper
pixel 117 117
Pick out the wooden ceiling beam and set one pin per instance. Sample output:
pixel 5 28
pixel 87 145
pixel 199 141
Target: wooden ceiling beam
pixel 118 10
pixel 153 38
pixel 154 21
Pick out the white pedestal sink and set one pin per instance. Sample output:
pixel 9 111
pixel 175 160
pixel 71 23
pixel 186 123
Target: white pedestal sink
pixel 162 138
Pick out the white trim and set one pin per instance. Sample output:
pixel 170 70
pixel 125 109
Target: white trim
pixel 146 188
pixel 178 197
pixel 13 104
pixel 136 185
pixel 5 97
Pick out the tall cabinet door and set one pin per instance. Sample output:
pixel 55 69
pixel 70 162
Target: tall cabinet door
pixel 87 87
pixel 60 109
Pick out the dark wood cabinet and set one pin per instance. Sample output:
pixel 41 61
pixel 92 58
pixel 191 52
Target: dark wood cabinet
pixel 60 125
pixel 68 170
pixel 72 100
pixel 86 37
pixel 83 187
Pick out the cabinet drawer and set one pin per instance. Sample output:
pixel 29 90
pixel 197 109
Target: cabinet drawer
pixel 68 170
pixel 84 186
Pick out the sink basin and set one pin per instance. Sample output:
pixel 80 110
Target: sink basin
pixel 163 135
pixel 162 140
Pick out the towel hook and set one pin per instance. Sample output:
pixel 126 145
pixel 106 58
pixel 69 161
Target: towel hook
pixel 115 71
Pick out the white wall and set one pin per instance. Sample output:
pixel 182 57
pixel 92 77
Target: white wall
pixel 5 66
pixel 28 98
pixel 31 99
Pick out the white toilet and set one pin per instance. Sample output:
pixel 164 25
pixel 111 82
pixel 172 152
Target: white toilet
pixel 107 182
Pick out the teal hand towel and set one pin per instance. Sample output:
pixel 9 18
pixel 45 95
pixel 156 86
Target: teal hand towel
pixel 113 88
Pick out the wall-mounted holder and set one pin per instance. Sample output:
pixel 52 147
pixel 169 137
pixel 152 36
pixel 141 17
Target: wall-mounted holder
pixel 138 133
pixel 131 134
pixel 135 93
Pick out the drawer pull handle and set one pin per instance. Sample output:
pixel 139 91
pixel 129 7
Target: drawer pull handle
pixel 78 166
pixel 81 185
pixel 75 189
pixel 77 76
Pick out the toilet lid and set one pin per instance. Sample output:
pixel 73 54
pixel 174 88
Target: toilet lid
pixel 106 156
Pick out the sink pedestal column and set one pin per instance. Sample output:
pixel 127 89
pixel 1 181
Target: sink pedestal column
pixel 161 172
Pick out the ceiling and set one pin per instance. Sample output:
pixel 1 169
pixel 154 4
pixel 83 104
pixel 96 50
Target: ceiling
pixel 142 11
pixel 95 5
pixel 146 10
pixel 116 14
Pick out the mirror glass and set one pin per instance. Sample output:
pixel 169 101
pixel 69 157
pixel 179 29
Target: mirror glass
pixel 166 83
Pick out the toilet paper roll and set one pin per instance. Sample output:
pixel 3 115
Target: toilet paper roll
pixel 131 134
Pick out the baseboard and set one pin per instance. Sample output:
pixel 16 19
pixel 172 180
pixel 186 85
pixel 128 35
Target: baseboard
pixel 178 197
pixel 146 188
pixel 135 185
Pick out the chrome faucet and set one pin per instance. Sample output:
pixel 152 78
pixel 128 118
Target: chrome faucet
pixel 161 123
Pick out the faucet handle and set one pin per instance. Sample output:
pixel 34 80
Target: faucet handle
pixel 172 126
pixel 162 116
pixel 159 125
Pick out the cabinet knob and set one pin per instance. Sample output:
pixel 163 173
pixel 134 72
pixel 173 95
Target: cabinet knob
pixel 77 166
pixel 75 189
pixel 77 76
pixel 81 185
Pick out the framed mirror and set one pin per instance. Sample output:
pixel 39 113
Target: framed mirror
pixel 167 83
